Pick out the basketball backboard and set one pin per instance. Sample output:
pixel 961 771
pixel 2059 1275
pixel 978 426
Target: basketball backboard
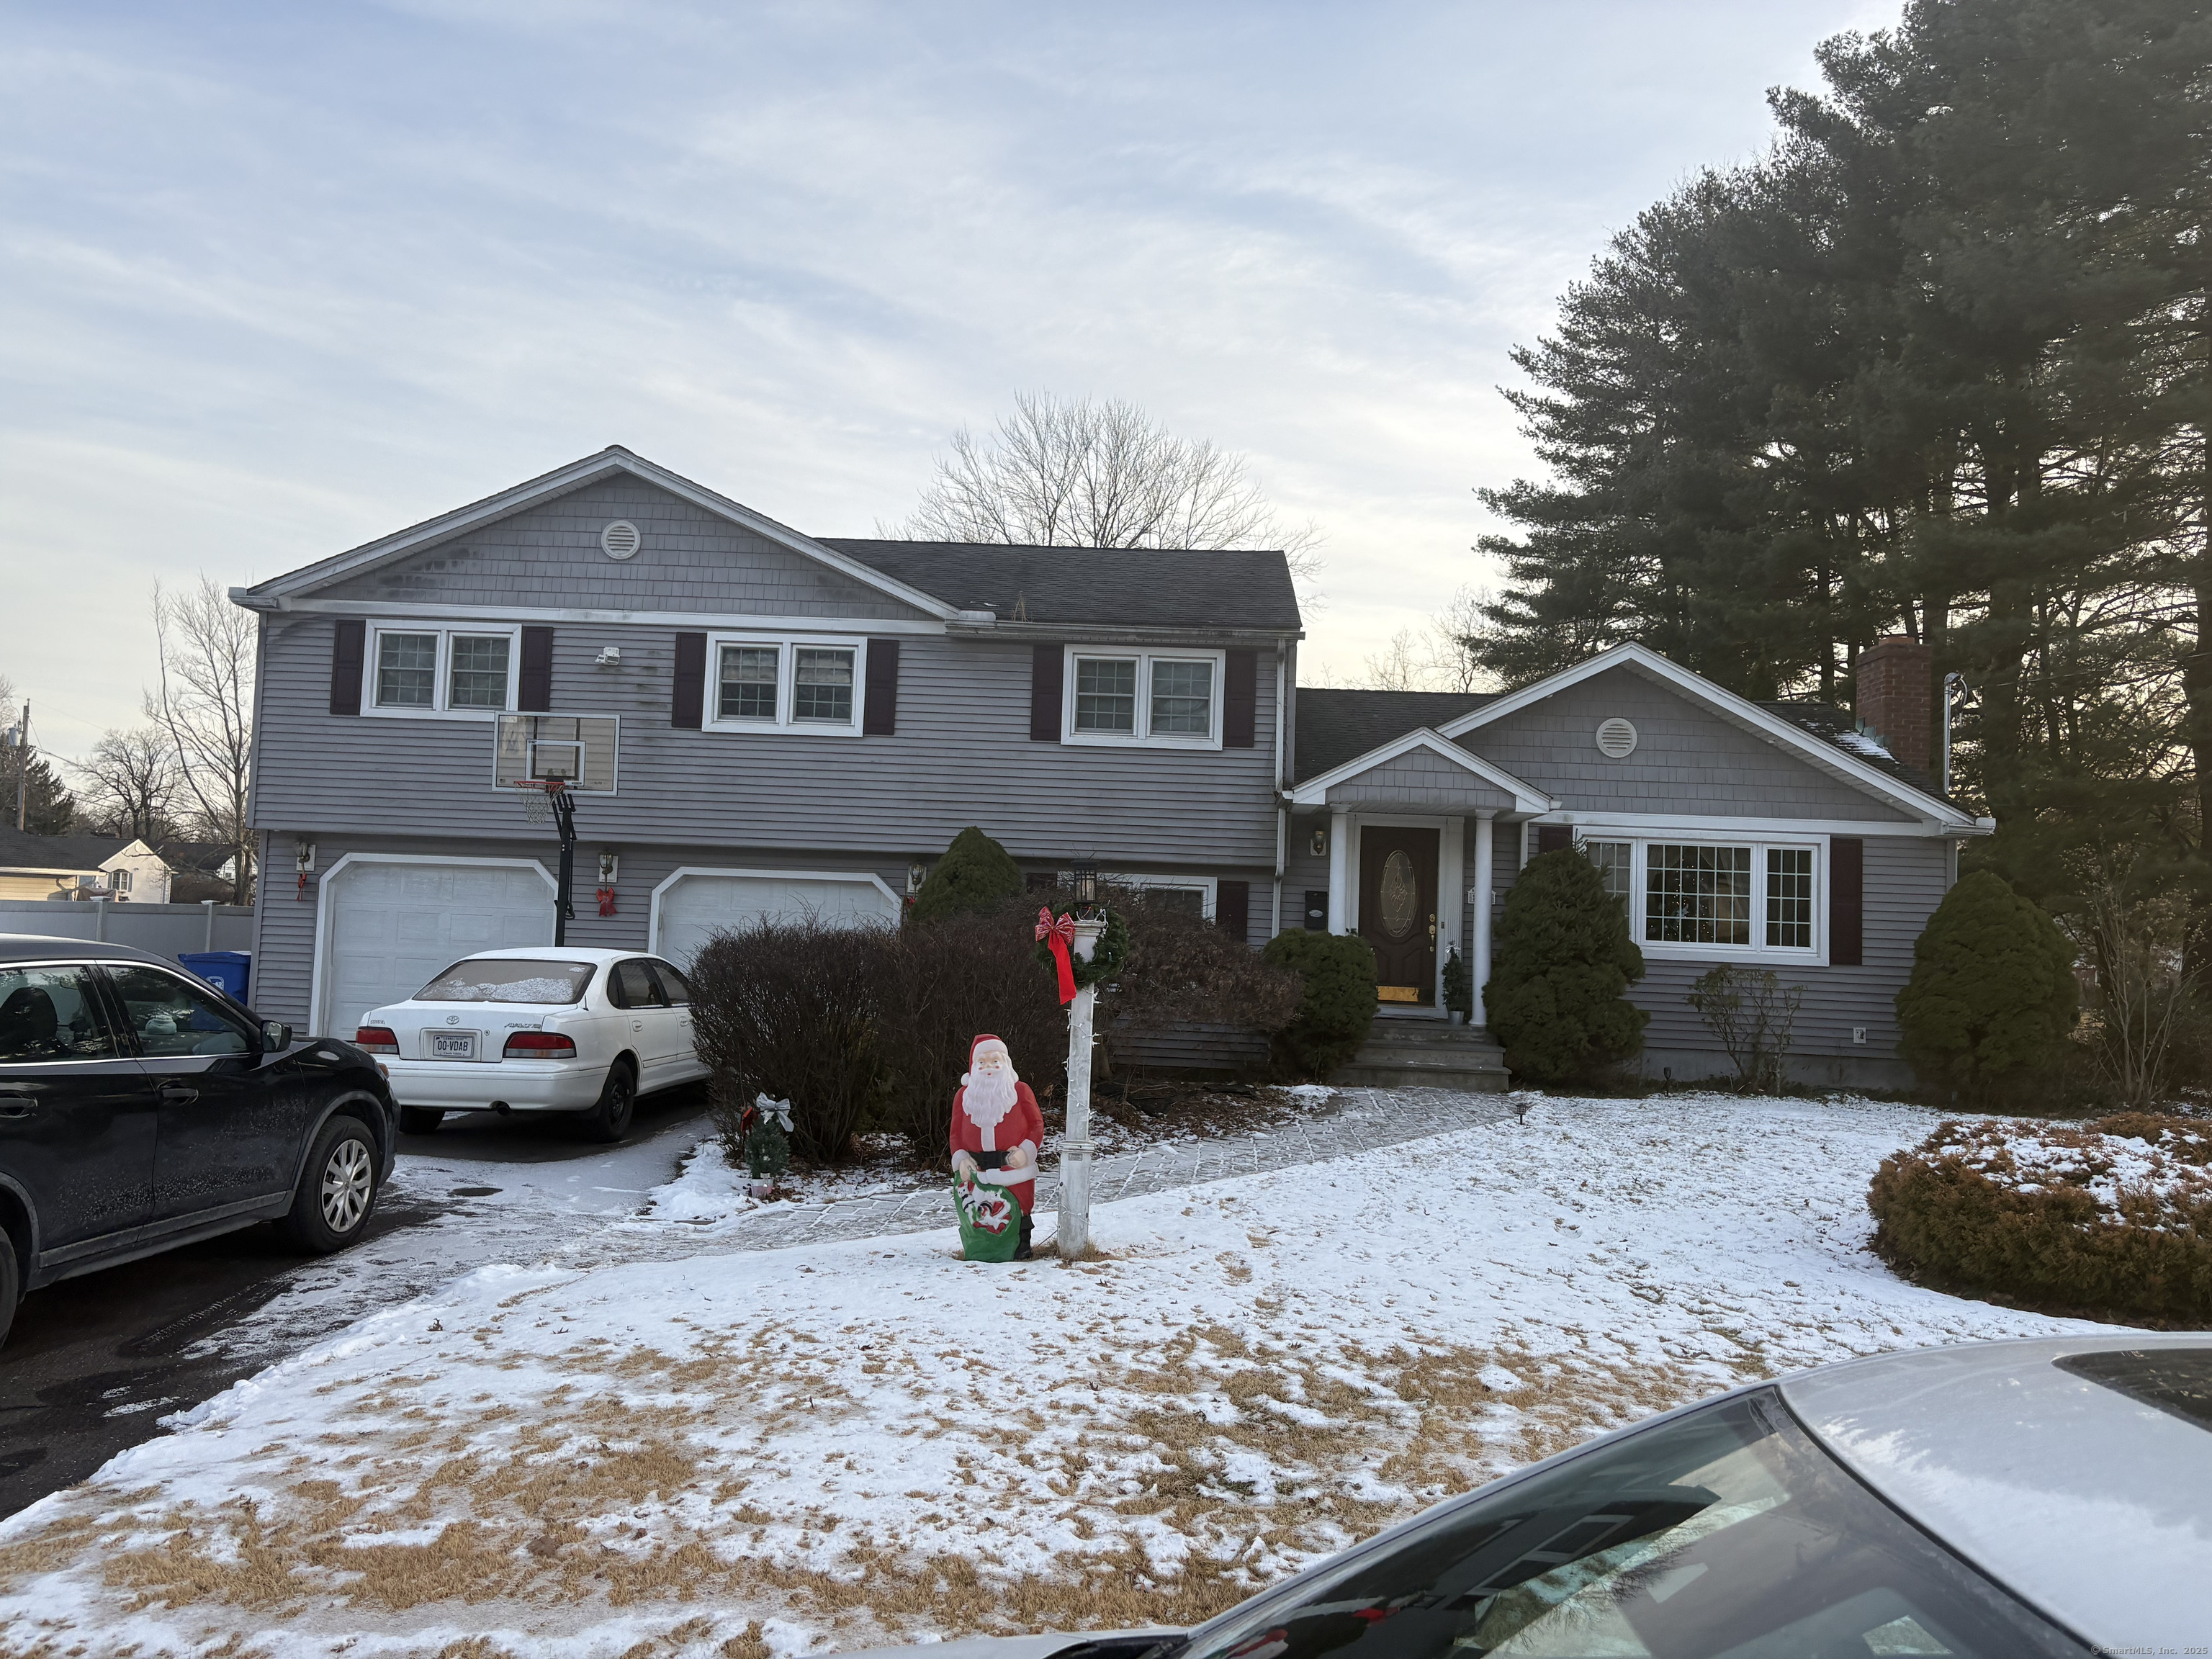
pixel 579 750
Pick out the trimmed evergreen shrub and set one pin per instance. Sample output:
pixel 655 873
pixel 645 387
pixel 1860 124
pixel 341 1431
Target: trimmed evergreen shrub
pixel 1992 997
pixel 1563 958
pixel 2113 1216
pixel 976 874
pixel 1338 1004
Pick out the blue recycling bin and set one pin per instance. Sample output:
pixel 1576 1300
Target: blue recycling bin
pixel 226 970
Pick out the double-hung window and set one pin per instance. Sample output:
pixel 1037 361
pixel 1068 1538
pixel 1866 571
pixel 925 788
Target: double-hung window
pixel 1171 698
pixel 1715 897
pixel 462 671
pixel 764 683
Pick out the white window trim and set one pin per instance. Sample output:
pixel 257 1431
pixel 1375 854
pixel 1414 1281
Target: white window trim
pixel 787 647
pixel 1641 839
pixel 1142 735
pixel 1208 886
pixel 443 687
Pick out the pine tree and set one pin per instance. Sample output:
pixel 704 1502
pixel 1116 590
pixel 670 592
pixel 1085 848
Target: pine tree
pixel 49 808
pixel 1564 959
pixel 1992 997
pixel 976 873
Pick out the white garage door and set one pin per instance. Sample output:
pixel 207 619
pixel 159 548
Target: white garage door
pixel 698 904
pixel 392 927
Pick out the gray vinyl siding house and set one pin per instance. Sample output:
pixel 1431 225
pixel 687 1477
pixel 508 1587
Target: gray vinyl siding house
pixel 767 723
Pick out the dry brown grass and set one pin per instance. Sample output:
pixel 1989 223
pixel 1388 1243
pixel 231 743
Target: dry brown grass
pixel 650 1481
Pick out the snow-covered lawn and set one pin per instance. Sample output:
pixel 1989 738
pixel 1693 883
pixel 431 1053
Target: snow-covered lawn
pixel 821 1448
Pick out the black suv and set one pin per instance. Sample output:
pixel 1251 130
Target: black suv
pixel 142 1109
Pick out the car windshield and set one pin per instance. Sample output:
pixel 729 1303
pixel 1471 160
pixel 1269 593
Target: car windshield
pixel 508 979
pixel 1726 1533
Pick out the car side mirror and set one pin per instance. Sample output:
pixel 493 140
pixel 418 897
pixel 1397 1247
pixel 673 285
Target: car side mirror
pixel 275 1036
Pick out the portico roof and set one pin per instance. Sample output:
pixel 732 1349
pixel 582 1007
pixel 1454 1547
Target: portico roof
pixel 1423 771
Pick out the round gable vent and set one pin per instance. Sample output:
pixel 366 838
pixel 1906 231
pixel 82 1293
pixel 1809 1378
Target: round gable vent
pixel 1616 739
pixel 620 539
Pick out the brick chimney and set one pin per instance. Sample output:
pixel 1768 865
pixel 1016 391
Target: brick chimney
pixel 1896 695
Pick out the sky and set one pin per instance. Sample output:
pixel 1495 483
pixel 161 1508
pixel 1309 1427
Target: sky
pixel 276 280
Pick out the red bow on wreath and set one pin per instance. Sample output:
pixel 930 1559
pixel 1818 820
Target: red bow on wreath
pixel 1057 933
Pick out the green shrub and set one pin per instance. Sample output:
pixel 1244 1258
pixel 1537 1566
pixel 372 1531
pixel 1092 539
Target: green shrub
pixel 976 874
pixel 1338 1004
pixel 2113 1216
pixel 1992 997
pixel 1459 985
pixel 1564 959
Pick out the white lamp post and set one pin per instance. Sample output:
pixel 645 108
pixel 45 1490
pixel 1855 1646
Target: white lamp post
pixel 1075 1148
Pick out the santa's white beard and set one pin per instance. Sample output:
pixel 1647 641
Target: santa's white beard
pixel 989 1096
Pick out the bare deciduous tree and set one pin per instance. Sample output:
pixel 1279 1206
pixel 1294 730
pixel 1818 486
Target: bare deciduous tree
pixel 1078 472
pixel 1443 655
pixel 204 709
pixel 2142 995
pixel 131 784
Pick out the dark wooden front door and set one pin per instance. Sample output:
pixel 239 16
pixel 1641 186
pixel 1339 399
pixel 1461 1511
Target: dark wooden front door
pixel 1397 911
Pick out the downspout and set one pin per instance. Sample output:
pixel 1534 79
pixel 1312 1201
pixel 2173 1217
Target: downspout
pixel 1282 812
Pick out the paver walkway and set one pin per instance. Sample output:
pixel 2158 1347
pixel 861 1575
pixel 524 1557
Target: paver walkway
pixel 1354 1120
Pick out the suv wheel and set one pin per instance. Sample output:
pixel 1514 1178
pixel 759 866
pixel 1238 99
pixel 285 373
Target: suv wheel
pixel 610 1120
pixel 419 1120
pixel 337 1189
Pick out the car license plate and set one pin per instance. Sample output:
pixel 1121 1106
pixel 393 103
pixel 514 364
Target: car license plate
pixel 453 1045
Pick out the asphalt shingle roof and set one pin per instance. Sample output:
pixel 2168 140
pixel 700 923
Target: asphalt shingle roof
pixel 1134 586
pixel 1839 730
pixel 1335 725
pixel 21 850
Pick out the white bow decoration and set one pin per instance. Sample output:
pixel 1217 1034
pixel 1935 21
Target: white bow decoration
pixel 778 1110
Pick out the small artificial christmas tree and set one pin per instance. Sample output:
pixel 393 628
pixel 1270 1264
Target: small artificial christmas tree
pixel 1564 959
pixel 767 1129
pixel 1992 997
pixel 976 873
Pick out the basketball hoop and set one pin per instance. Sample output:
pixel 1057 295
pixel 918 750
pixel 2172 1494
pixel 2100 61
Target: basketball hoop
pixel 538 796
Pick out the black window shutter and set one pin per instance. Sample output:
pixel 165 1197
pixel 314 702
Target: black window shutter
pixel 534 692
pixel 1046 663
pixel 1847 901
pixel 689 699
pixel 1232 908
pixel 879 713
pixel 1554 837
pixel 348 641
pixel 1240 699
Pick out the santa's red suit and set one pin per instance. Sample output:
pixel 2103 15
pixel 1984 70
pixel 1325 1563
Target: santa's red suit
pixel 991 1120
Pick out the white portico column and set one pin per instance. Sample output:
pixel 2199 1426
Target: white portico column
pixel 1479 950
pixel 1339 865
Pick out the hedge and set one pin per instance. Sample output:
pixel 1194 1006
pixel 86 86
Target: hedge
pixel 1338 1004
pixel 1992 997
pixel 1555 997
pixel 2113 1216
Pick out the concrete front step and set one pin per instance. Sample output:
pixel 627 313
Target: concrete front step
pixel 1407 1053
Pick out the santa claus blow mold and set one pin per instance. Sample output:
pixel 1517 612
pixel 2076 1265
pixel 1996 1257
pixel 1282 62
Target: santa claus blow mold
pixel 997 1128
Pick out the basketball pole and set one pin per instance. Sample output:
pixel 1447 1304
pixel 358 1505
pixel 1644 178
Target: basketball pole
pixel 564 819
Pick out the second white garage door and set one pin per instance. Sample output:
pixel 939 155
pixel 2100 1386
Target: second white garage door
pixel 389 926
pixel 692 906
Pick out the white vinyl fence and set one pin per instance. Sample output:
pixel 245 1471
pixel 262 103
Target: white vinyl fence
pixel 167 930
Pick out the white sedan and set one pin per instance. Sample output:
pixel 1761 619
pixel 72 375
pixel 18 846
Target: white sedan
pixel 544 1028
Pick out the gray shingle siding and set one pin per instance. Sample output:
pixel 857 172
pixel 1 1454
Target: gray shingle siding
pixel 1419 781
pixel 548 556
pixel 1687 759
pixel 961 756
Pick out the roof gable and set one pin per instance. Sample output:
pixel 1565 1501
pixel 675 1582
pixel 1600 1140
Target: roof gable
pixel 1840 760
pixel 1417 764
pixel 610 462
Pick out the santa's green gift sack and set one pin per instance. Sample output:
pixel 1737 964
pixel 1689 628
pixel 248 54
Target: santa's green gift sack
pixel 990 1219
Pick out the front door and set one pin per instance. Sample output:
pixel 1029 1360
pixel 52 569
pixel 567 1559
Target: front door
pixel 1398 910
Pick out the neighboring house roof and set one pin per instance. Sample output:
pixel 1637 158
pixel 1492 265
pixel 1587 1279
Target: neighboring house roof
pixel 1334 726
pixel 22 851
pixel 1834 727
pixel 202 858
pixel 1138 586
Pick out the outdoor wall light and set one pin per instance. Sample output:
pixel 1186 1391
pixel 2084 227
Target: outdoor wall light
pixel 609 656
pixel 1085 881
pixel 1320 843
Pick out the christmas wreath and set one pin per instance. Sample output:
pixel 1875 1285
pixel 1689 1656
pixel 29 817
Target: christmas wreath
pixel 1055 935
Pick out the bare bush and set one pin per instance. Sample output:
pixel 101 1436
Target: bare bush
pixel 1753 1015
pixel 2142 1001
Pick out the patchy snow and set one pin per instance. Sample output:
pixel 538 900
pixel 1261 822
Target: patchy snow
pixel 2169 1176
pixel 1859 743
pixel 817 1448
